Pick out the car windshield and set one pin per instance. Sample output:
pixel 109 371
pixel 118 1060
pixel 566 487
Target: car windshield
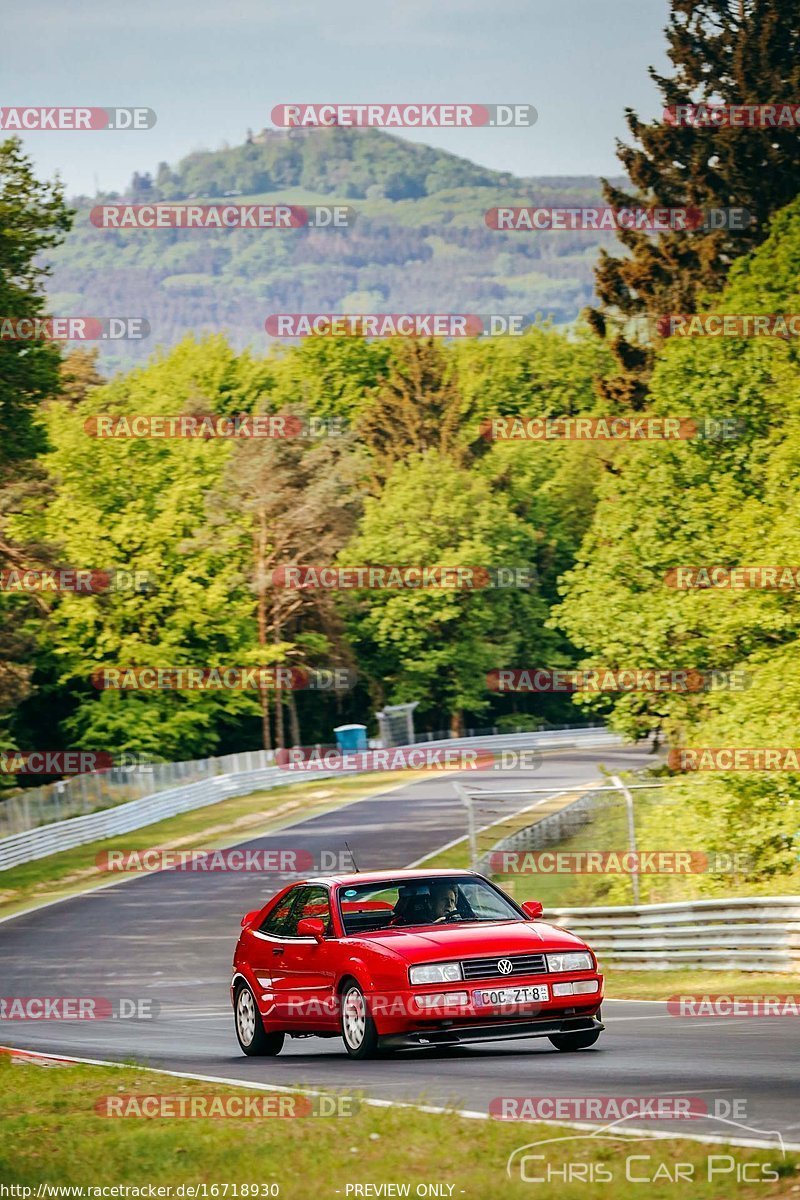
pixel 403 903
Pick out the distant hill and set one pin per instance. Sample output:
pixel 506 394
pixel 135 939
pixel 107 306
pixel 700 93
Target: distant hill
pixel 420 243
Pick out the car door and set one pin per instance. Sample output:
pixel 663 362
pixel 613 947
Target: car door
pixel 301 970
pixel 264 951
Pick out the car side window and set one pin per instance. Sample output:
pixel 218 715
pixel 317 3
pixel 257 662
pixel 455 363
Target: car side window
pixel 313 902
pixel 280 916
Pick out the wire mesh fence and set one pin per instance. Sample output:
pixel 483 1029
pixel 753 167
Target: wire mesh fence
pixel 615 842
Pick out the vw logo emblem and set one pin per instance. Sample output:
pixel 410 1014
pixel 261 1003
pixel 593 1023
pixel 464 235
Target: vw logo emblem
pixel 505 966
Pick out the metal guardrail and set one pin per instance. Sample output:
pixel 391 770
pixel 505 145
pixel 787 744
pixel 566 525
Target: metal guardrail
pixel 759 933
pixel 149 809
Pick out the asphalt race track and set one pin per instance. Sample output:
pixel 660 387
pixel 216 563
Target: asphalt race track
pixel 169 937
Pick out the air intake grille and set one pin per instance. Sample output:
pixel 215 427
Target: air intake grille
pixel 488 968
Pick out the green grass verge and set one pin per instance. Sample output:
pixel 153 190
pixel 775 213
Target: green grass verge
pixel 660 985
pixel 218 825
pixel 52 1134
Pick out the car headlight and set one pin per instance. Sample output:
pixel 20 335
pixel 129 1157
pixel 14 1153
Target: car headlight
pixel 435 973
pixel 580 960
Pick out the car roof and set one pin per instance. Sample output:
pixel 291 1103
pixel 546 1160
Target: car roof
pixel 387 876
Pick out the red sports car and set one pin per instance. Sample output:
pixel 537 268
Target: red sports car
pixel 409 958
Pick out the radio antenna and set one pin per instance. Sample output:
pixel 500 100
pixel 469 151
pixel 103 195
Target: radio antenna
pixel 350 852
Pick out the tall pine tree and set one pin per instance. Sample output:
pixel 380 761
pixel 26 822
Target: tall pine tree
pixel 33 218
pixel 418 407
pixel 724 52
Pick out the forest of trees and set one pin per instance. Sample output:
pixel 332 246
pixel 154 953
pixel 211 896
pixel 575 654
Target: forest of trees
pixel 422 248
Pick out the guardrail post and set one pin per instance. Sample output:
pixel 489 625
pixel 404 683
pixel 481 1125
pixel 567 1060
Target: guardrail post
pixel 615 779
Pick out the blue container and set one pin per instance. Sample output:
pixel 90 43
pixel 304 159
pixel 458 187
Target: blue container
pixel 351 738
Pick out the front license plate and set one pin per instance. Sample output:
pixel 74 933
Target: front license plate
pixel 511 995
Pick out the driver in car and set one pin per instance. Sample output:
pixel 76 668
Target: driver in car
pixel 443 903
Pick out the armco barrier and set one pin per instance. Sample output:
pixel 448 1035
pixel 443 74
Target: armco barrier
pixel 760 933
pixel 77 831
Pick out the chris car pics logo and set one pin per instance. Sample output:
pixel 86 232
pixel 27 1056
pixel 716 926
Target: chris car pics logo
pixel 582 1158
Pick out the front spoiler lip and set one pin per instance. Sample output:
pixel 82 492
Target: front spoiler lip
pixel 497 1032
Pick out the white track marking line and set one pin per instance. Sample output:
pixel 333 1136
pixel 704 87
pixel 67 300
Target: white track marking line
pixel 373 1102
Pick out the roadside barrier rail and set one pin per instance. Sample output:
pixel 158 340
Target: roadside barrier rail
pixel 757 933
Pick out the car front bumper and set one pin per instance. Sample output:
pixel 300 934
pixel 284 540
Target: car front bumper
pixel 400 1014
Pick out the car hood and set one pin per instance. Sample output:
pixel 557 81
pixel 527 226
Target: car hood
pixel 467 941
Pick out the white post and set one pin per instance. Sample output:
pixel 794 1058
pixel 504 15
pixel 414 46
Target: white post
pixel 615 779
pixel 466 800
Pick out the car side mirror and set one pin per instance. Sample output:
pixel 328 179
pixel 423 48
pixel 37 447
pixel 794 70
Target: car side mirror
pixel 248 918
pixel 533 909
pixel 311 927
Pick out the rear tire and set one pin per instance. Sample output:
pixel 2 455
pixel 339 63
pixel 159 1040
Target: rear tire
pixel 575 1041
pixel 359 1034
pixel 250 1032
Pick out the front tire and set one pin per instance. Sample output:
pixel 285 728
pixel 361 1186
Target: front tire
pixel 250 1032
pixel 575 1041
pixel 359 1034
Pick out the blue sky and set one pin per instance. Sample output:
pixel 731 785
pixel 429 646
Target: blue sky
pixel 211 68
